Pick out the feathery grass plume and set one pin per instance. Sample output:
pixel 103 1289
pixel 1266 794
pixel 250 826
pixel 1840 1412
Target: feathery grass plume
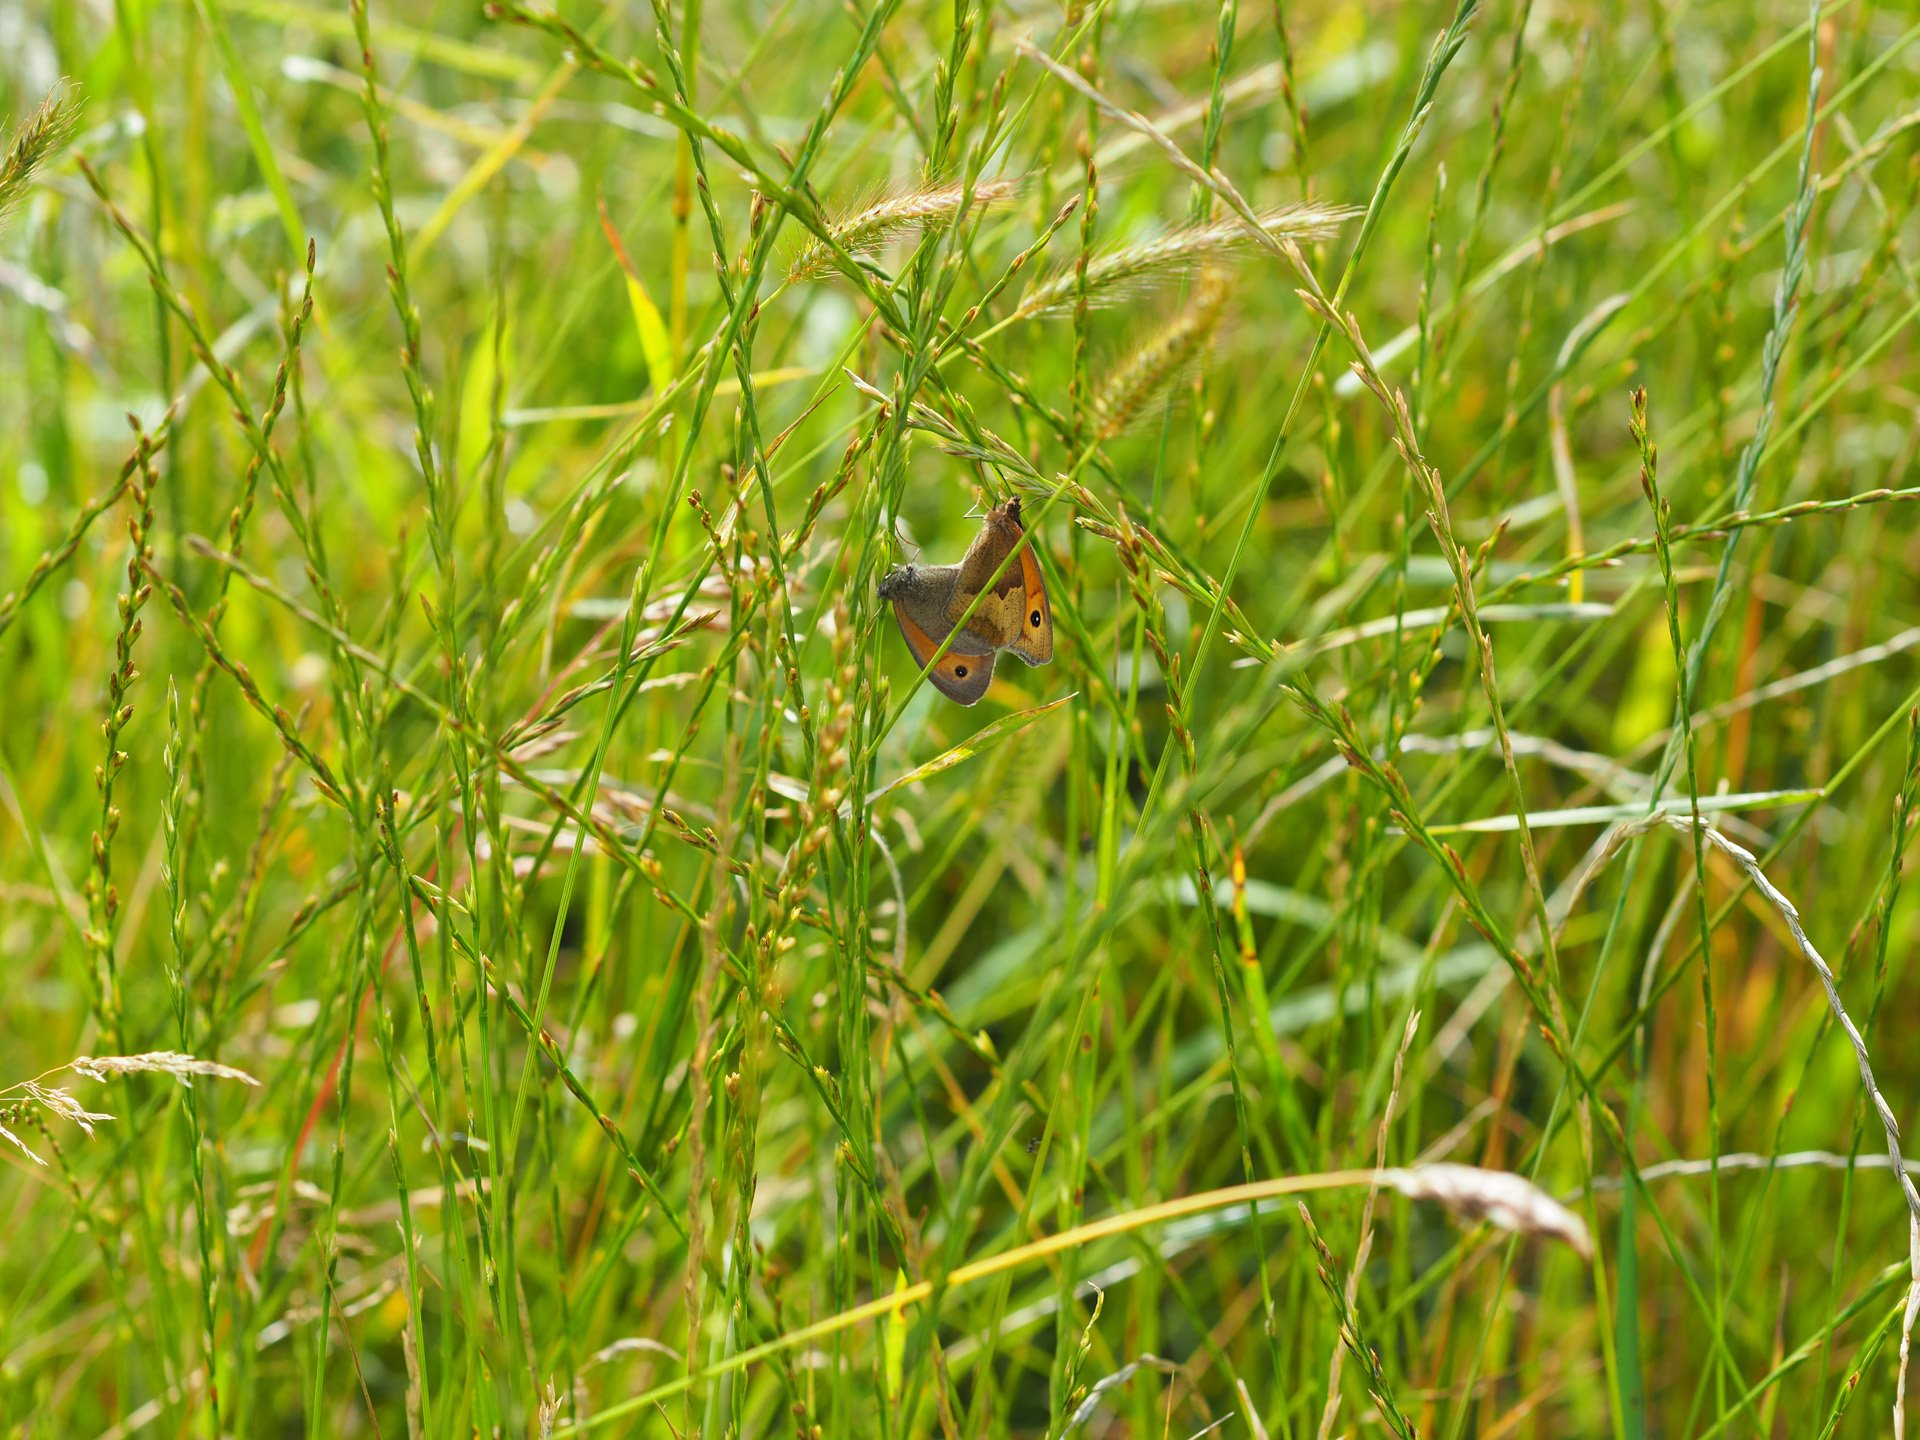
pixel 35 1102
pixel 1504 1200
pixel 868 229
pixel 1127 269
pixel 156 1062
pixel 41 136
pixel 1160 359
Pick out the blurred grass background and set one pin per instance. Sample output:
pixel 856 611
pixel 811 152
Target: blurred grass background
pixel 474 639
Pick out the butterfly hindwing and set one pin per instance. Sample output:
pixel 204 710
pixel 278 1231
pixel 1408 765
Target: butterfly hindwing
pixel 961 676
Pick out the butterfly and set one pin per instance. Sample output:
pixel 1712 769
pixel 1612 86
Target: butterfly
pixel 929 600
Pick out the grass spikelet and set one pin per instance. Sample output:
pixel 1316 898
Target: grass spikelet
pixel 1353 1338
pixel 1505 1201
pixel 1330 1411
pixel 1154 364
pixel 59 1102
pixel 41 137
pixel 867 230
pixel 1126 270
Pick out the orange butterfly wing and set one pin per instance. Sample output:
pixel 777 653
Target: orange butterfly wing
pixel 1034 642
pixel 961 677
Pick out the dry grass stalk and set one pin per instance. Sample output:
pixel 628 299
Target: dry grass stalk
pixel 1734 1160
pixel 1744 858
pixel 41 136
pixel 1907 1321
pixel 923 209
pixel 1504 1200
pixel 1127 269
pixel 1611 845
pixel 1159 360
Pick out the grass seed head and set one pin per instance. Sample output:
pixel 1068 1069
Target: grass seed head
pixel 1504 1200
pixel 39 140
pixel 1126 270
pixel 1158 361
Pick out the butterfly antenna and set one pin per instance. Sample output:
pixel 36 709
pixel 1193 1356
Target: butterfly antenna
pixel 905 541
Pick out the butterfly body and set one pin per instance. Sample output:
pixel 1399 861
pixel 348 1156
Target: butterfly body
pixel 931 602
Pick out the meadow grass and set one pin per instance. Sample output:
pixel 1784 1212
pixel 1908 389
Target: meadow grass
pixel 501 939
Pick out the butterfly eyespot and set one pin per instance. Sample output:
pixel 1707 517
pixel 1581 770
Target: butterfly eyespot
pixel 1034 619
pixel 959 672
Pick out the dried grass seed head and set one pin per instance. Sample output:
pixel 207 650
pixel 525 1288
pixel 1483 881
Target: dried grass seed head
pixel 872 226
pixel 1125 270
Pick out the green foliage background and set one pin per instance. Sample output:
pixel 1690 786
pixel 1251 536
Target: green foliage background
pixel 461 704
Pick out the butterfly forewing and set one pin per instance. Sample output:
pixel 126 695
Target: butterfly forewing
pixel 997 606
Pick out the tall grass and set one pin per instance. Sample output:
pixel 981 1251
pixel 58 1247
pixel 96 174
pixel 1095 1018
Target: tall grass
pixel 499 942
